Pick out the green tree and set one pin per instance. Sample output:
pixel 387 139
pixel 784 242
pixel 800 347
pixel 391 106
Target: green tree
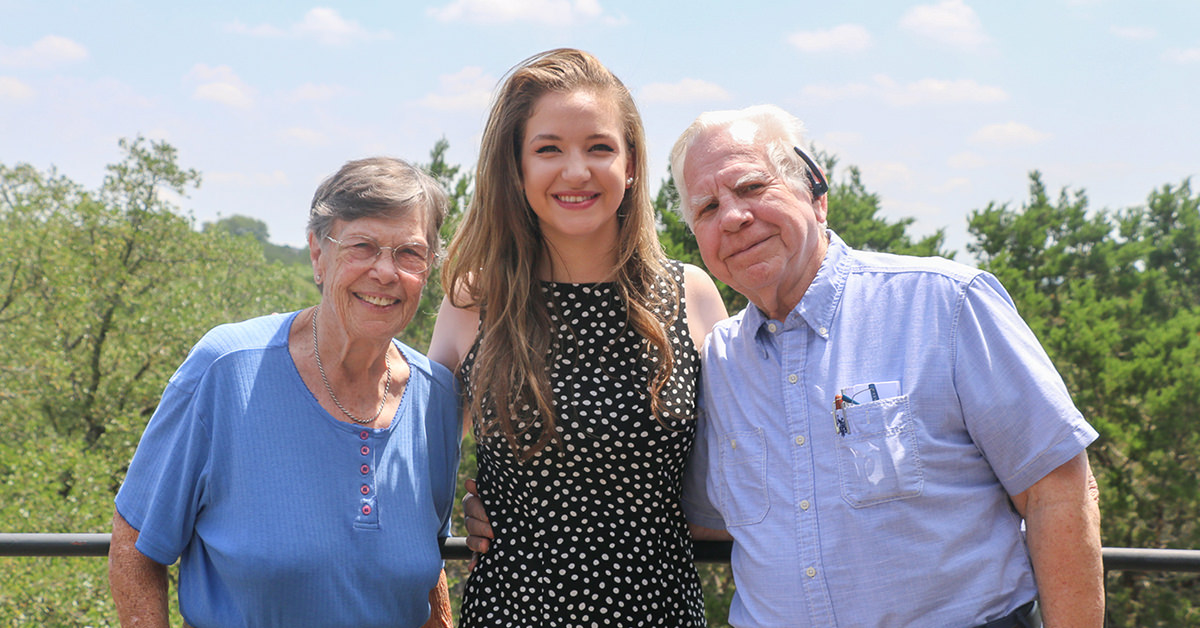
pixel 104 292
pixel 1113 298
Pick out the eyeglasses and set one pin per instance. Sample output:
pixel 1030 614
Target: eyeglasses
pixel 411 257
pixel 816 180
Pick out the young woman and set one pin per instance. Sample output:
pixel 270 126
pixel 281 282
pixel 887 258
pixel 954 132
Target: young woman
pixel 576 341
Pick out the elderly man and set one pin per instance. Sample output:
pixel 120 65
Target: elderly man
pixel 885 440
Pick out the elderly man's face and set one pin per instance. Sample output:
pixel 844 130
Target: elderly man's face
pixel 754 231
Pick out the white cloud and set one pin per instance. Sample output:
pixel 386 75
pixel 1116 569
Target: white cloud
pixel 1133 32
pixel 314 92
pixel 13 90
pixel 553 12
pixel 1009 134
pixel 466 90
pixel 950 22
pixel 304 136
pixel 831 93
pixel 953 184
pixel 966 161
pixel 47 52
pixel 221 85
pixel 941 92
pixel 1179 55
pixel 888 173
pixel 923 92
pixel 688 90
pixel 844 38
pixel 322 24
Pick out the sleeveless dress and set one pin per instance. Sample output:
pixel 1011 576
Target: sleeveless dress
pixel 590 531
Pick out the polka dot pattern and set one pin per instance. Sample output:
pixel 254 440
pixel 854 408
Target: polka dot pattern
pixel 591 532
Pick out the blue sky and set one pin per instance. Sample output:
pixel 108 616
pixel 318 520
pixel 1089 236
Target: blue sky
pixel 944 106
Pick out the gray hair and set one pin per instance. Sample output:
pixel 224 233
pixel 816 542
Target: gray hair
pixel 776 130
pixel 378 186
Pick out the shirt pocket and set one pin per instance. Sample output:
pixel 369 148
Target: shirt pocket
pixel 742 490
pixel 878 460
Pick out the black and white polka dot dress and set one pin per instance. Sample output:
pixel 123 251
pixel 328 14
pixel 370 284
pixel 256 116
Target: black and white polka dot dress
pixel 591 532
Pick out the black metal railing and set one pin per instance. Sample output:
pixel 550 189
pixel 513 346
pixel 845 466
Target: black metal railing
pixel 455 548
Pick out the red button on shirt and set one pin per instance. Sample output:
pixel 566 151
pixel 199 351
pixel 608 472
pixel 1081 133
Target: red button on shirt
pixel 365 489
pixel 366 468
pixel 366 509
pixel 364 435
pixel 365 450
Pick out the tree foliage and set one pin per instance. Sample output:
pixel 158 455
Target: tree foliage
pixel 1115 299
pixel 103 293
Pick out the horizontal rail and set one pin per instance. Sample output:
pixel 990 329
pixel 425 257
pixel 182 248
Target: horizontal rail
pixel 455 548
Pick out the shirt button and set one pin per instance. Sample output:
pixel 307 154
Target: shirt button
pixel 365 450
pixel 366 509
pixel 364 435
pixel 803 503
pixel 824 331
pixel 793 378
pixel 772 327
pixel 365 469
pixel 800 439
pixel 810 572
pixel 367 489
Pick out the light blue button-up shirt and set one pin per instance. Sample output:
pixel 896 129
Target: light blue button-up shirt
pixel 896 512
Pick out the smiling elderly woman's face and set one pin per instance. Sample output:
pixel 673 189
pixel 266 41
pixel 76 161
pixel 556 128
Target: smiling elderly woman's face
pixel 370 270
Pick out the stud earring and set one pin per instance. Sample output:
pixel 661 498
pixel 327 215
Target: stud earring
pixel 629 182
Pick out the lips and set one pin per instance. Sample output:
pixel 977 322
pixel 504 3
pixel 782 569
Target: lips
pixel 746 246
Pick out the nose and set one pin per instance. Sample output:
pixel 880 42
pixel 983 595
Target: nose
pixel 576 169
pixel 735 214
pixel 384 267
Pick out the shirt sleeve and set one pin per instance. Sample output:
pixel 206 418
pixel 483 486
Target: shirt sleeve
pixel 1014 402
pixel 696 503
pixel 164 489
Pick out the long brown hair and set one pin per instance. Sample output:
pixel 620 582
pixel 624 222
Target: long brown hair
pixel 492 261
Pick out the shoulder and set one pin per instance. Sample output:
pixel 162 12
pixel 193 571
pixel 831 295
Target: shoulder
pixel 454 332
pixel 440 378
pixel 229 339
pixel 868 262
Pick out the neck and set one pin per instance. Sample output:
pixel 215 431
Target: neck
pixel 578 261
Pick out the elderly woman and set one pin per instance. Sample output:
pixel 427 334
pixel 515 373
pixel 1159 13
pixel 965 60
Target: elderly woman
pixel 302 466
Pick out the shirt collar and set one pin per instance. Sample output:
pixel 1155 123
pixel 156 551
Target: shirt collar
pixel 817 306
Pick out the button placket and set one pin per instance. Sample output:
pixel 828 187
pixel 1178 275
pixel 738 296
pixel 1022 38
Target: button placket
pixel 367 514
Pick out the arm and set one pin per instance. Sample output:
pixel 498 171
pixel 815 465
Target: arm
pixel 137 582
pixel 701 533
pixel 704 305
pixel 439 605
pixel 454 332
pixel 1062 521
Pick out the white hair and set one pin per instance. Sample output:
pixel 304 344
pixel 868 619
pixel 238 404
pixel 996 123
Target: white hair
pixel 776 130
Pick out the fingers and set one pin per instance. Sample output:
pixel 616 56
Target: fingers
pixel 473 509
pixel 470 486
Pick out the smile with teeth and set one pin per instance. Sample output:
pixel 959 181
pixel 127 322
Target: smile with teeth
pixel 575 198
pixel 380 301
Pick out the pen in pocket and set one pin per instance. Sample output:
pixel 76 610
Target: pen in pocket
pixel 839 415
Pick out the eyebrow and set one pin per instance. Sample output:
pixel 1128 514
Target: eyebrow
pixel 755 176
pixel 556 138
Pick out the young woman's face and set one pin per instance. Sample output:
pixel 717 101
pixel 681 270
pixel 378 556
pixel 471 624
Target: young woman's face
pixel 575 166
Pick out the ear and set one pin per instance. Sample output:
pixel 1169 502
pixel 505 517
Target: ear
pixel 821 208
pixel 314 254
